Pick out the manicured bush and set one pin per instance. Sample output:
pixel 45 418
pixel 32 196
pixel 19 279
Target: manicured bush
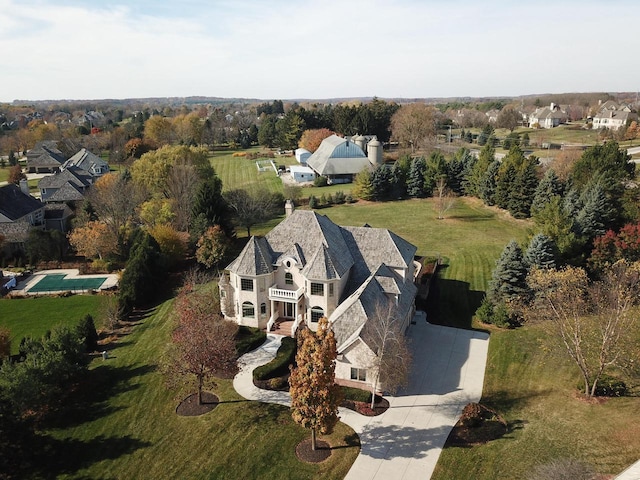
pixel 313 202
pixel 356 394
pixel 249 338
pixel 339 197
pixel 279 366
pixel 320 182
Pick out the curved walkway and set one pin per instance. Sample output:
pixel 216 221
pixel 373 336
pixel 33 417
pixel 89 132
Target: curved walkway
pixel 405 441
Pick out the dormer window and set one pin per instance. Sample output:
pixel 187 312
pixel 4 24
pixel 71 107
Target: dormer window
pixel 288 278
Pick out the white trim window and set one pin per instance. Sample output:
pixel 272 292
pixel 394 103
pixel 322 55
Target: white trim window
pixel 359 374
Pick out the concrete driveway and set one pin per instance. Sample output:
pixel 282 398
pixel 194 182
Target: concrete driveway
pixel 404 442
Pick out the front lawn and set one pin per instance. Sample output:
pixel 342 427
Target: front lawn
pixel 130 430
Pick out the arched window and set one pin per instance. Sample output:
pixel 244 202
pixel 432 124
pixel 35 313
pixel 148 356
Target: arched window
pixel 316 314
pixel 248 310
pixel 288 278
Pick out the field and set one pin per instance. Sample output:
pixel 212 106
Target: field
pixel 34 316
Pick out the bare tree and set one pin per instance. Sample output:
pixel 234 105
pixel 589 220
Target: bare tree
pixel 182 182
pixel 414 124
pixel 384 333
pixel 445 198
pixel 593 320
pixel 250 208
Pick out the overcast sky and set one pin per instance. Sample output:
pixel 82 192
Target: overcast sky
pixel 285 49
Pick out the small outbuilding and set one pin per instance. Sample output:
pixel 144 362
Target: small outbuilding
pixel 302 154
pixel 302 174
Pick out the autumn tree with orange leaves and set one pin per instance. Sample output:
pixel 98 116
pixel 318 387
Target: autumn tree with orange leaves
pixel 311 139
pixel 93 240
pixel 315 397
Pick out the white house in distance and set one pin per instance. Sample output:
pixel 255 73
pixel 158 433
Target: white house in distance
pixel 613 116
pixel 308 267
pixel 341 159
pixel 300 173
pixel 548 117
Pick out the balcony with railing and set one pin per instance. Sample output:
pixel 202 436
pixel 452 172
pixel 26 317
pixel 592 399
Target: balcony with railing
pixel 280 294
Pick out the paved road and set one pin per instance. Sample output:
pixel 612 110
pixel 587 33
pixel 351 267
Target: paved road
pixel 405 442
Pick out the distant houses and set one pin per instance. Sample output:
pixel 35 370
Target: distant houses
pixel 548 117
pixel 19 214
pixel 613 116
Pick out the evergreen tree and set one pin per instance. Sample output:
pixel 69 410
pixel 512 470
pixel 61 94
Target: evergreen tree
pixel 524 188
pixel 508 281
pixel 541 252
pixel 436 169
pixel 381 183
pixel 415 182
pixel 211 207
pixel 399 176
pixel 468 137
pixel 457 170
pixel 314 394
pixel 363 187
pixel 504 184
pixel 12 158
pixel 267 132
pixel 474 180
pixel 139 282
pixel 549 186
pixel 86 331
pixel 525 140
pixel 489 183
pixel 597 213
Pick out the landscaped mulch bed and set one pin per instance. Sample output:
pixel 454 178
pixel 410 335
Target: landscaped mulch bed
pixel 306 454
pixel 189 407
pixel 364 408
pixel 478 425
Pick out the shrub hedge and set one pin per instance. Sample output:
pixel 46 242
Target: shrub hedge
pixel 279 366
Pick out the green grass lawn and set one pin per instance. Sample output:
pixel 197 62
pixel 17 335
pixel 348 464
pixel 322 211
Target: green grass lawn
pixel 535 391
pixel 130 429
pixel 34 316
pixel 4 174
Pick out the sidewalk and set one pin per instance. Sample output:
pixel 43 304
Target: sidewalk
pixel 405 442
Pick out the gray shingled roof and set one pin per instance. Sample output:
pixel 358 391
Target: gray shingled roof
pixel 14 204
pixel 310 231
pixel 321 265
pixel 255 259
pixel 86 160
pixel 374 246
pixel 66 193
pixel 74 175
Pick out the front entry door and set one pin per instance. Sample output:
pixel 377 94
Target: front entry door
pixel 290 310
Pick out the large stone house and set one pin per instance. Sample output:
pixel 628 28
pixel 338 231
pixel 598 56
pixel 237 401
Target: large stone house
pixel 308 267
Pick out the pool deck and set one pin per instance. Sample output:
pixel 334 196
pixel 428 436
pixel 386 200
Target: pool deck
pixel 23 287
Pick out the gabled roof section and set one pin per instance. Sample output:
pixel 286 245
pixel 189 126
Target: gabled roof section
pixel 311 231
pixel 255 259
pixel 338 156
pixel 73 175
pixel 66 193
pixel 88 161
pixel 294 252
pixel 15 204
pixel 321 266
pixel 377 246
pixel 353 318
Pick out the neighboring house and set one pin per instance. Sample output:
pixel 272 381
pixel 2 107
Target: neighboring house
pixel 613 116
pixel 548 117
pixel 57 216
pixel 65 186
pixel 307 267
pixel 45 157
pixel 19 213
pixel 302 174
pixel 89 162
pixel 340 159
